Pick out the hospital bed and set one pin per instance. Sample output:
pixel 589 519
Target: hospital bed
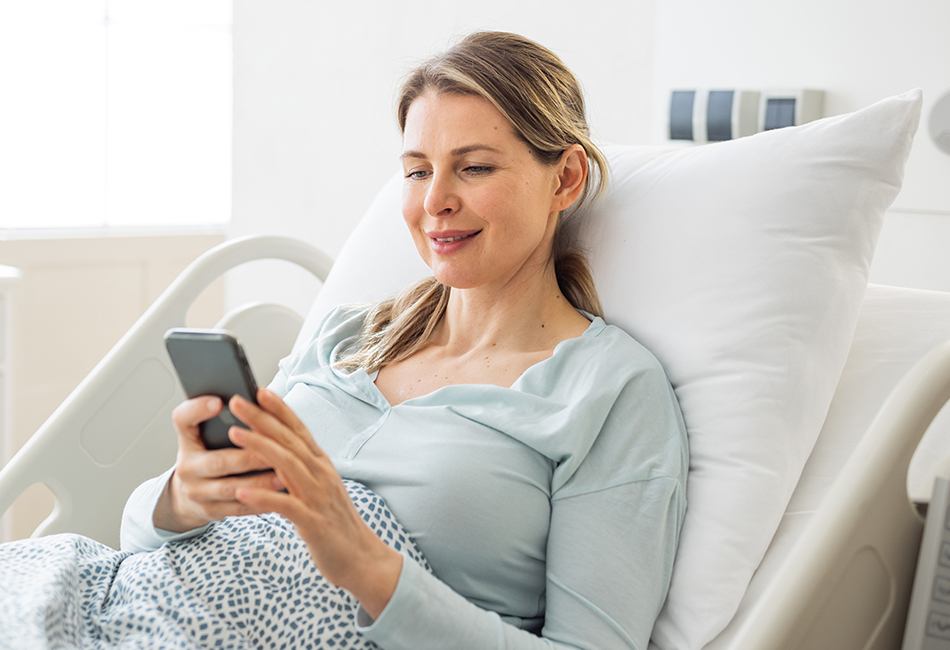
pixel 833 577
pixel 766 280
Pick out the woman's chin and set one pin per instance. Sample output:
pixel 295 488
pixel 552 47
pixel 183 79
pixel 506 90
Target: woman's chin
pixel 455 280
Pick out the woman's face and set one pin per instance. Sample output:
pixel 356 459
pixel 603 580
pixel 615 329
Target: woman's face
pixel 466 171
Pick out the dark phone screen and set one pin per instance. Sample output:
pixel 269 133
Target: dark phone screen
pixel 211 362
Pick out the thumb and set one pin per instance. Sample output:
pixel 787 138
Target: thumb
pixel 188 415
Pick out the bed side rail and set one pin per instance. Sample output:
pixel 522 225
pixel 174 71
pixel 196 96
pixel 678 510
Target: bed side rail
pixel 113 431
pixel 847 581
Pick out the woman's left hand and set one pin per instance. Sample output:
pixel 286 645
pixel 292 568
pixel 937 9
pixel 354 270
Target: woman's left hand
pixel 345 550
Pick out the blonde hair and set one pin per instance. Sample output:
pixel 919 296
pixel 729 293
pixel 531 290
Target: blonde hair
pixel 542 99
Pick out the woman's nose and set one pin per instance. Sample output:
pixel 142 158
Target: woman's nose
pixel 441 198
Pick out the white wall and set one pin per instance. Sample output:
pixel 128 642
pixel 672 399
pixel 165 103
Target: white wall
pixel 857 51
pixel 314 91
pixel 315 134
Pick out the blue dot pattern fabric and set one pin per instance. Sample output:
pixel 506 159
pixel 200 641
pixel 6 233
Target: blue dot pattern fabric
pixel 247 582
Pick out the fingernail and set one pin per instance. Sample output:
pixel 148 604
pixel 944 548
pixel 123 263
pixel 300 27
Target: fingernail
pixel 213 403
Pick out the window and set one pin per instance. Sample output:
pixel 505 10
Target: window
pixel 115 113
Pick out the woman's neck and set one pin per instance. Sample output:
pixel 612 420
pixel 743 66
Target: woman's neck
pixel 514 318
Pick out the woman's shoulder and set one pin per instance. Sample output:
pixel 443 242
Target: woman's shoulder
pixel 619 352
pixel 343 318
pixel 337 329
pixel 638 431
pixel 599 362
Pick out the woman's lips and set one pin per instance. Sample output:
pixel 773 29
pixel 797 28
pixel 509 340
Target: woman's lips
pixel 446 234
pixel 446 247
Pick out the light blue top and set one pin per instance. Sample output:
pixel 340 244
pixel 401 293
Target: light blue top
pixel 552 507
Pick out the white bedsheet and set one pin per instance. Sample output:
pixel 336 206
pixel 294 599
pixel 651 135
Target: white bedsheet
pixel 897 326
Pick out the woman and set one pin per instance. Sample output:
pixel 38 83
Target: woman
pixel 535 454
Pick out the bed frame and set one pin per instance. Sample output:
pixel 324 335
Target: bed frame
pixel 846 582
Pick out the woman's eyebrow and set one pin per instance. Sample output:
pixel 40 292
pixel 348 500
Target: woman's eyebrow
pixel 455 152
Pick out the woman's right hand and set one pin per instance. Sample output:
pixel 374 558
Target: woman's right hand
pixel 201 488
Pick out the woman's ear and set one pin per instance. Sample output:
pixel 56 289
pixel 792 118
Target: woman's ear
pixel 571 176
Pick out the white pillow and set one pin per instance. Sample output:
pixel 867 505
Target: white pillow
pixel 741 265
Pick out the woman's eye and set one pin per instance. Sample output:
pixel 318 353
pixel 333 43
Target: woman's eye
pixel 474 170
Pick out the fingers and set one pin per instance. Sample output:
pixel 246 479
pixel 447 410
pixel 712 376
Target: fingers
pixel 270 501
pixel 223 489
pixel 219 463
pixel 274 418
pixel 272 402
pixel 214 499
pixel 189 414
pixel 280 444
pixel 290 468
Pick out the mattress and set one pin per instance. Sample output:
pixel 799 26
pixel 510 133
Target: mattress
pixel 896 327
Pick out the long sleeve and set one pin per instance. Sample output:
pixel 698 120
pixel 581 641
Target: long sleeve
pixel 615 525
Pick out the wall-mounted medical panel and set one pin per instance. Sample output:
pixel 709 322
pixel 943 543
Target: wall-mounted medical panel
pixel 780 108
pixel 713 115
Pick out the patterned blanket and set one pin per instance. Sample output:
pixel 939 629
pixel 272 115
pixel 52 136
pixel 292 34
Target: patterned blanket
pixel 247 582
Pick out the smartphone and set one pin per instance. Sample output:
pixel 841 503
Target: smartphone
pixel 211 362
